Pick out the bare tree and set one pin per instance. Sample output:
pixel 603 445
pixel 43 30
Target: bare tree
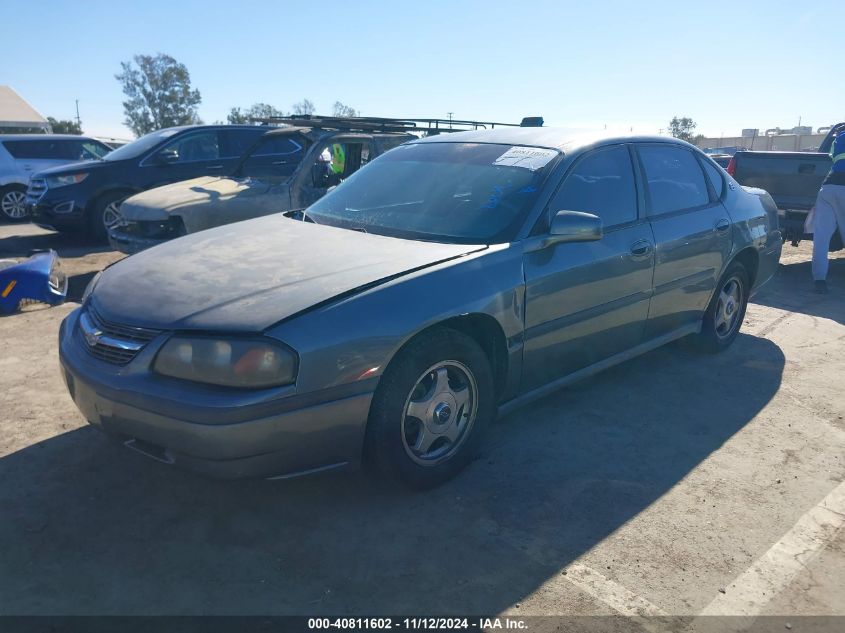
pixel 305 106
pixel 341 110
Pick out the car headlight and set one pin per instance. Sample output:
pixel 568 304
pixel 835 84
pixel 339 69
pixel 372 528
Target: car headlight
pixel 246 363
pixel 61 181
pixel 90 287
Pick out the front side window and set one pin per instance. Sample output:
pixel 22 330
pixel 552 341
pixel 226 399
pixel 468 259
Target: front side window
pixel 193 147
pixel 141 145
pixel 601 183
pixel 442 191
pixel 674 178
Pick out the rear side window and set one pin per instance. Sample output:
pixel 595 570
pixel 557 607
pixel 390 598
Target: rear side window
pixel 56 149
pixel 714 175
pixel 278 146
pixel 601 183
pixel 674 177
pixel 236 142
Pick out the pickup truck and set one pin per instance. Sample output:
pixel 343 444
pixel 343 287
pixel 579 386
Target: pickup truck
pixel 792 178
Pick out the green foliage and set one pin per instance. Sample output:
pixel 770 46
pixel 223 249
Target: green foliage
pixel 158 93
pixel 682 128
pixel 64 126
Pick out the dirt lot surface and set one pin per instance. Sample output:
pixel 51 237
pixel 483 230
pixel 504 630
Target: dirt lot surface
pixel 672 484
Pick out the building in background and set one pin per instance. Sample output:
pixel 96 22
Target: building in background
pixel 17 116
pixel 797 139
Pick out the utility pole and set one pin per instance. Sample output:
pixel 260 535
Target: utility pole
pixel 78 120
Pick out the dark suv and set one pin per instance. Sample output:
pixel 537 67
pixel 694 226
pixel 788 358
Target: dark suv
pixel 87 196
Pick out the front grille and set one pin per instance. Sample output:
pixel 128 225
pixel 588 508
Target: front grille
pixel 106 345
pixel 37 188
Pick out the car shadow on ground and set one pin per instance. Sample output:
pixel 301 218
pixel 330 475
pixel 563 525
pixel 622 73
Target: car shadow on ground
pixel 90 527
pixel 65 244
pixel 792 290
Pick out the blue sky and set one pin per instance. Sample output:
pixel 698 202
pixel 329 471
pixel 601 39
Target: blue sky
pixel 581 65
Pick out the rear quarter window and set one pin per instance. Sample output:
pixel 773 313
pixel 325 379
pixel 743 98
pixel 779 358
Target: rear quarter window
pixel 714 175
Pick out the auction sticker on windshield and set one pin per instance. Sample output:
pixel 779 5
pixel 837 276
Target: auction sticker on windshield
pixel 532 158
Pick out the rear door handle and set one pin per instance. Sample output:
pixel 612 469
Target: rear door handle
pixel 806 168
pixel 723 225
pixel 640 249
pixel 215 167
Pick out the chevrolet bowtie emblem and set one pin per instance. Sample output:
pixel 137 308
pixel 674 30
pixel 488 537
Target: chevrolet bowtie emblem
pixel 92 337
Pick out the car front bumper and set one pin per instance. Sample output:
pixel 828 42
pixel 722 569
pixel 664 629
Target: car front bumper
pixel 282 438
pixel 121 240
pixel 62 215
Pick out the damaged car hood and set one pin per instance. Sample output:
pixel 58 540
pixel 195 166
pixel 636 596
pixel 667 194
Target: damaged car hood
pixel 250 275
pixel 156 204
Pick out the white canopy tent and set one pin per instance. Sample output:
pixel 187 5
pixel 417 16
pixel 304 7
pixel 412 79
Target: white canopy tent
pixel 16 113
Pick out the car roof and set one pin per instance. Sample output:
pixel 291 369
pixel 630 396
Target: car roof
pixel 319 131
pixel 548 137
pixel 42 137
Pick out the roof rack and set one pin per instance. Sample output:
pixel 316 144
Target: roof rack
pixel 380 124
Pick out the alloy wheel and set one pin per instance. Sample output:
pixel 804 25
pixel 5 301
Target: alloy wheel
pixel 13 204
pixel 111 215
pixel 728 308
pixel 439 412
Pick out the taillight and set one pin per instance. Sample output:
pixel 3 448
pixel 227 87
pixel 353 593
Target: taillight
pixel 732 166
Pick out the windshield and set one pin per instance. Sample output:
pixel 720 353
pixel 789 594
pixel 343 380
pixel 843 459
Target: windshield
pixel 445 192
pixel 141 145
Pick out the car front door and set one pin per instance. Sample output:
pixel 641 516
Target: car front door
pixel 692 232
pixel 190 155
pixel 587 301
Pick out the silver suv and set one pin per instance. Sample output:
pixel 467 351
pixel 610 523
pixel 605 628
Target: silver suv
pixel 22 155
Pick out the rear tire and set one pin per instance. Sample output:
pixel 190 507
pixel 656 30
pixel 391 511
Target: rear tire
pixel 430 409
pixel 105 214
pixel 726 311
pixel 13 203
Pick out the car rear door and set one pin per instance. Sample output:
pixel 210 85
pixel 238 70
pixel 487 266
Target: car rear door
pixel 587 301
pixel 692 232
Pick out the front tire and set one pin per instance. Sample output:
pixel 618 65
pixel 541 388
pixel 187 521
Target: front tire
pixel 430 409
pixel 726 311
pixel 106 214
pixel 13 203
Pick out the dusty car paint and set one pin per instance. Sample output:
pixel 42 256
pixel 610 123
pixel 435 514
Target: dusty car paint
pixel 347 302
pixel 207 202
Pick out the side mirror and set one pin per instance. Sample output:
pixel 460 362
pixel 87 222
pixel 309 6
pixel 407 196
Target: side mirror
pixel 571 226
pixel 167 156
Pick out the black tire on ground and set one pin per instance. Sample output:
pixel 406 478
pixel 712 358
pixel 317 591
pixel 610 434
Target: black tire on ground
pixel 12 204
pixel 390 433
pixel 96 217
pixel 726 311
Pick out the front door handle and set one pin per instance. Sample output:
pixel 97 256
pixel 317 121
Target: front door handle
pixel 215 167
pixel 723 225
pixel 640 249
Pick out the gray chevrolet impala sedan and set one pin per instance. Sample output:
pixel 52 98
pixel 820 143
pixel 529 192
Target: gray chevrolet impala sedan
pixel 451 279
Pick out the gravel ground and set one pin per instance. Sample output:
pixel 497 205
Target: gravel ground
pixel 672 484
